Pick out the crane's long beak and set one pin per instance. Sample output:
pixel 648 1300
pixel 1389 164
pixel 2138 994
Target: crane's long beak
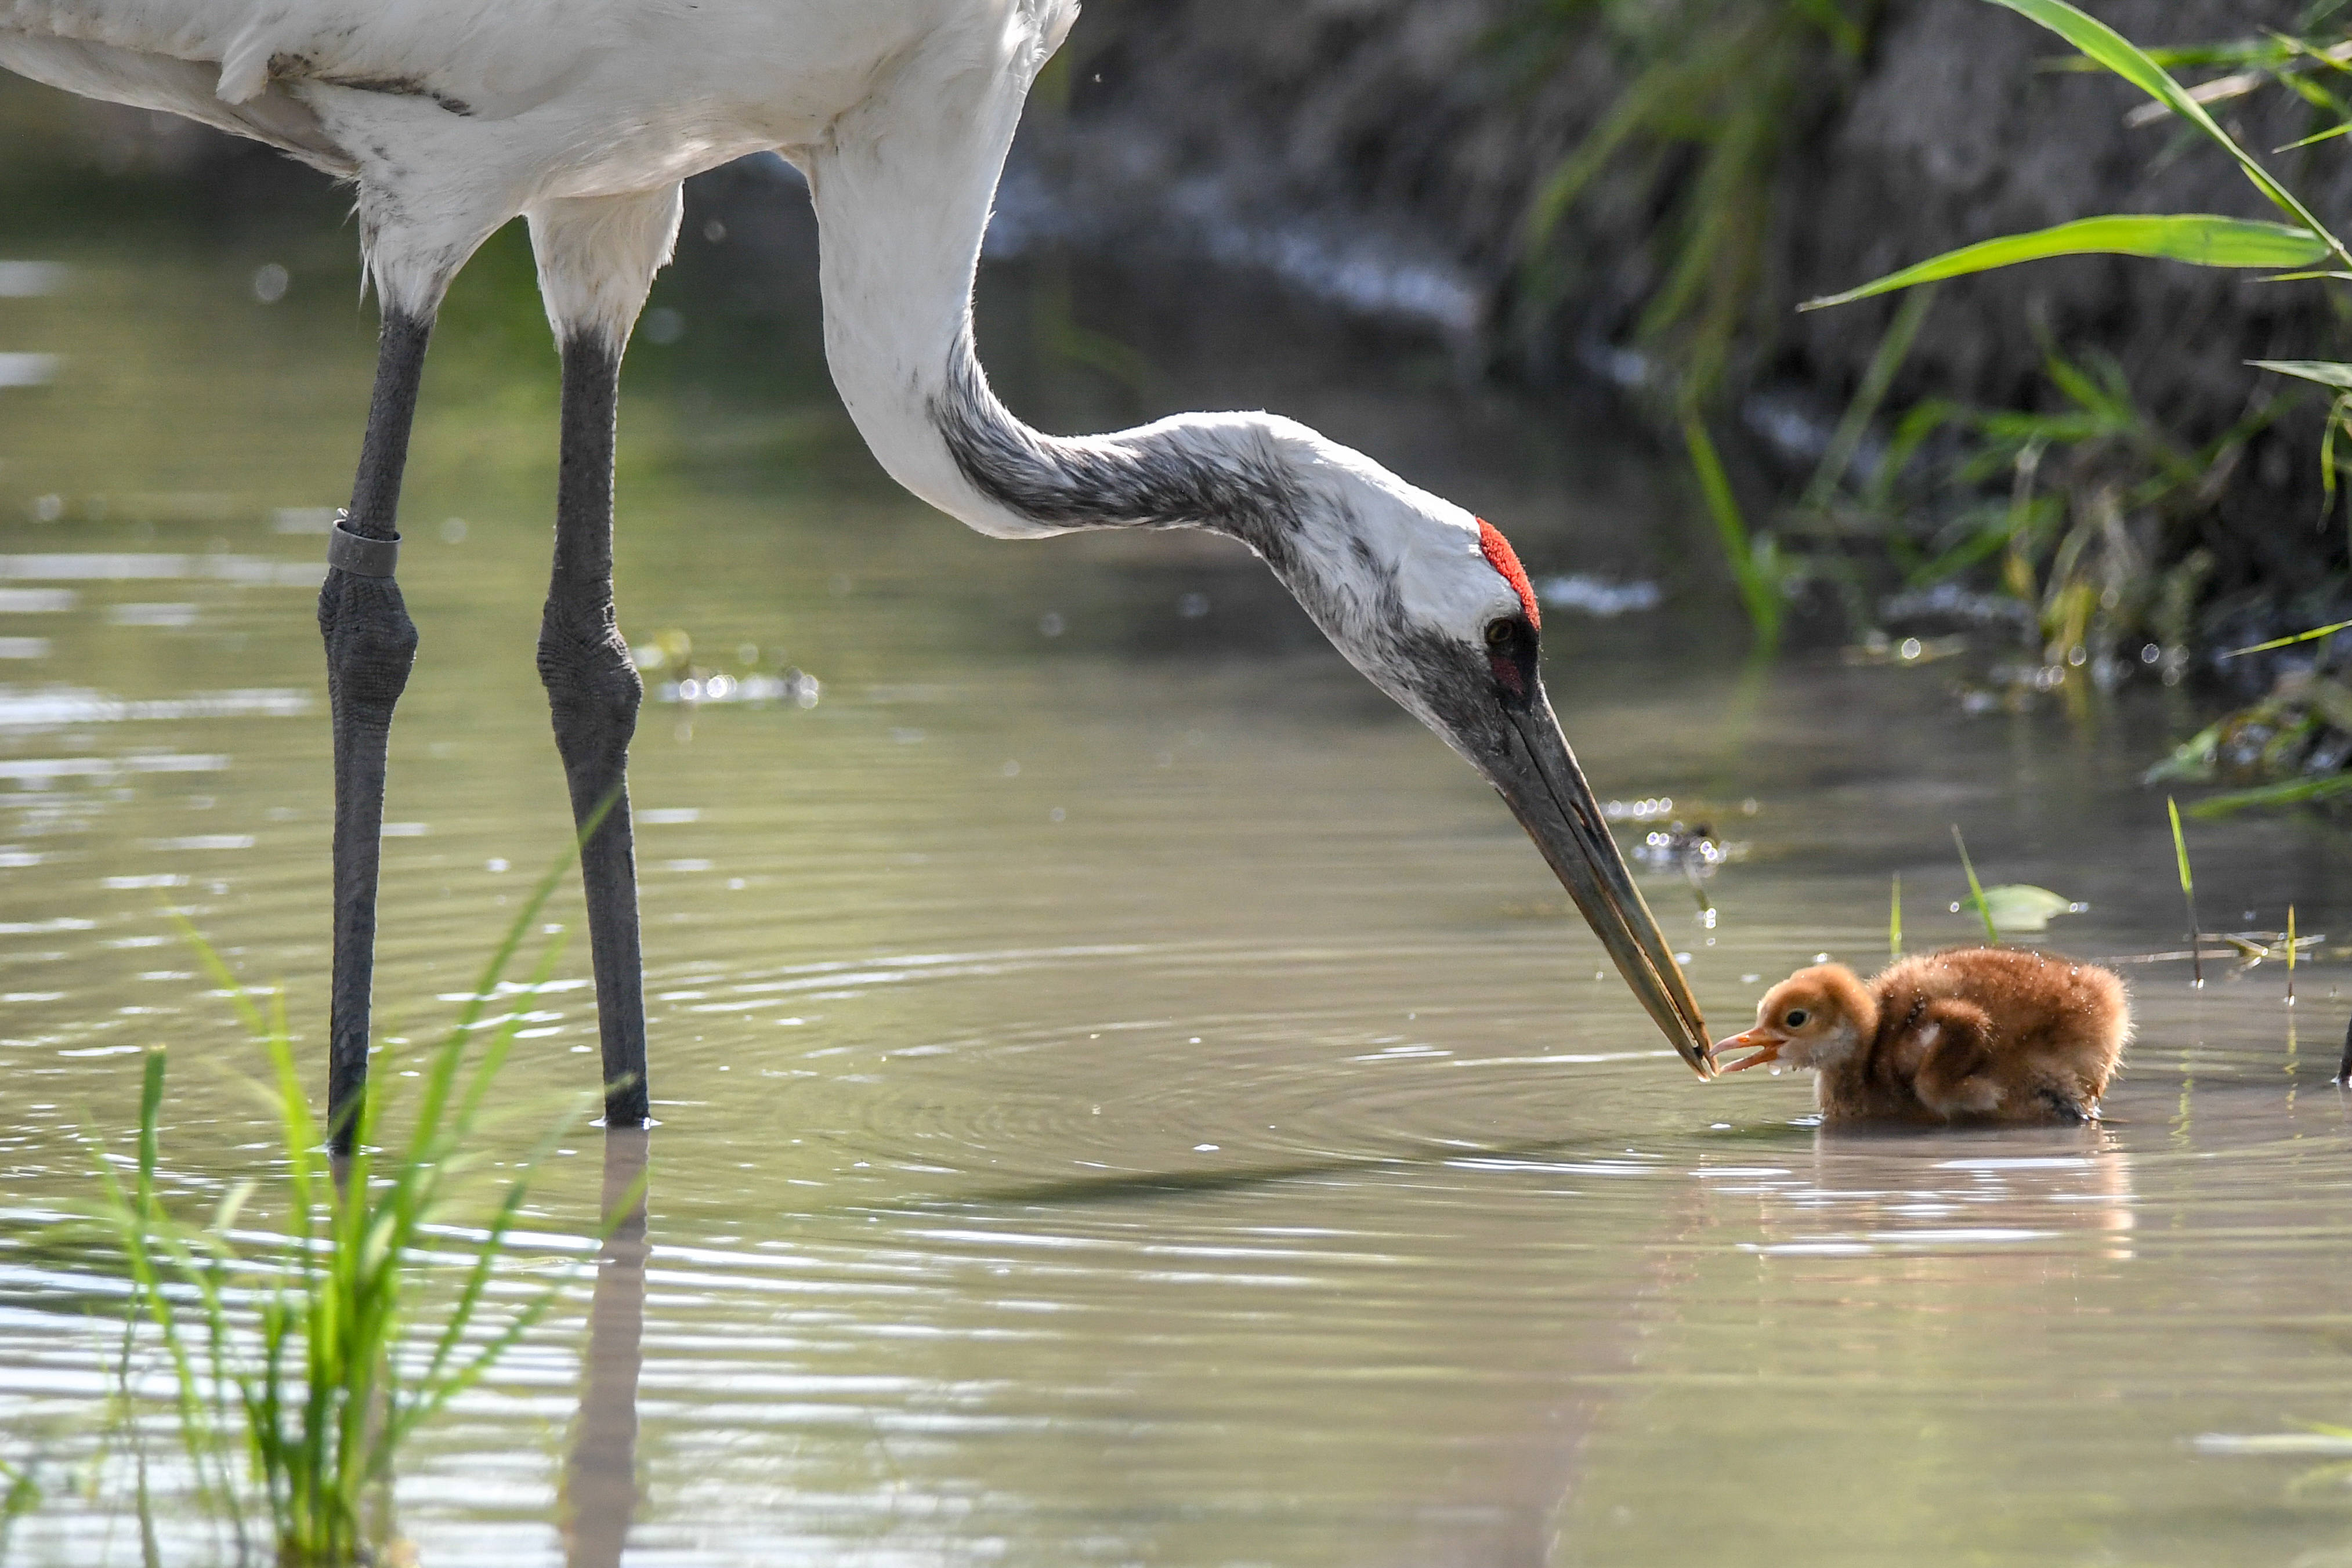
pixel 1537 778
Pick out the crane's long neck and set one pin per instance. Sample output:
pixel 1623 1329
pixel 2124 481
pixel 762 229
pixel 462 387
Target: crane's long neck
pixel 903 190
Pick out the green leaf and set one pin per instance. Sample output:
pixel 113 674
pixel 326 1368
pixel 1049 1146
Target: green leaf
pixel 2327 373
pixel 2021 906
pixel 2202 239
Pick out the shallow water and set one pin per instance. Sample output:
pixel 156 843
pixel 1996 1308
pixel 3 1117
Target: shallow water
pixel 1126 1095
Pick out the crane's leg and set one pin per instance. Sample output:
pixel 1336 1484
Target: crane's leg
pixel 597 257
pixel 371 643
pixel 593 692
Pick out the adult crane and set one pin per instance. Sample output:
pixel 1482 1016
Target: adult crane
pixel 452 116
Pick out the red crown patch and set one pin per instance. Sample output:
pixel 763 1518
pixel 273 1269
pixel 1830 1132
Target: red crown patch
pixel 1497 551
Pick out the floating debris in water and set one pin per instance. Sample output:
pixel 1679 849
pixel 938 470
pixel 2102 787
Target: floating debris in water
pixel 2295 747
pixel 674 649
pixel 2021 906
pixel 1692 849
pixel 1591 596
pixel 1881 649
pixel 797 687
pixel 668 649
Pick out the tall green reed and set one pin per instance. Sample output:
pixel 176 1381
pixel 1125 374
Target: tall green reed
pixel 296 1373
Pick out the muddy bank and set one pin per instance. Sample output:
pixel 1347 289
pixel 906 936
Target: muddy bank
pixel 1386 152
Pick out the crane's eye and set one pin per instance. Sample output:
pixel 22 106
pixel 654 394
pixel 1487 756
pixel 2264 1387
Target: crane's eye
pixel 1502 632
pixel 1796 1019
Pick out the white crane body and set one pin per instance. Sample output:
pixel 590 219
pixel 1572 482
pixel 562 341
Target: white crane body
pixel 453 117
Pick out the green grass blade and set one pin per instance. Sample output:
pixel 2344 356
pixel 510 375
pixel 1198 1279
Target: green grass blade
pixel 2329 134
pixel 2119 55
pixel 2201 239
pixel 2187 893
pixel 2314 633
pixel 1756 591
pixel 217 967
pixel 1893 348
pixel 1894 920
pixel 1976 889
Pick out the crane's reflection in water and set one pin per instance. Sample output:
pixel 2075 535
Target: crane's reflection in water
pixel 600 1475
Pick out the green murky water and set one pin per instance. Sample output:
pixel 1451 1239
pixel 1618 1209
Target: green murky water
pixel 1126 1095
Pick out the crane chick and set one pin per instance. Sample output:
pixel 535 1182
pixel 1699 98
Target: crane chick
pixel 1971 1034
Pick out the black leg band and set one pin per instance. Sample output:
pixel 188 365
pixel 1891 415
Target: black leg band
pixel 362 556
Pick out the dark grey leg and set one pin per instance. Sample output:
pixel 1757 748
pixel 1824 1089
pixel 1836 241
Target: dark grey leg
pixel 592 692
pixel 371 644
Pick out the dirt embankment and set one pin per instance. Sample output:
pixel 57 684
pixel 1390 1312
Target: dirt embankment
pixel 1386 151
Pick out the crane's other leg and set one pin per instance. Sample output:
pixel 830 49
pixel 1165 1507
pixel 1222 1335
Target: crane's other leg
pixel 597 258
pixel 371 643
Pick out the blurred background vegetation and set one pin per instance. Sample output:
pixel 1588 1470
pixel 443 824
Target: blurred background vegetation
pixel 1626 198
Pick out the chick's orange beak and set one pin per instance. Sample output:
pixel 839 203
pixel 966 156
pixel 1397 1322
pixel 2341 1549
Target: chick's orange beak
pixel 1764 1042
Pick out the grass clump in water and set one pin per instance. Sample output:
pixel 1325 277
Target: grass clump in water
pixel 2293 246
pixel 298 1377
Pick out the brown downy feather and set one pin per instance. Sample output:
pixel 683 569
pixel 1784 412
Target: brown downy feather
pixel 1970 1034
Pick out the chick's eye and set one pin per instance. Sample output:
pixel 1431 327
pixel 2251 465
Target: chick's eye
pixel 1796 1019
